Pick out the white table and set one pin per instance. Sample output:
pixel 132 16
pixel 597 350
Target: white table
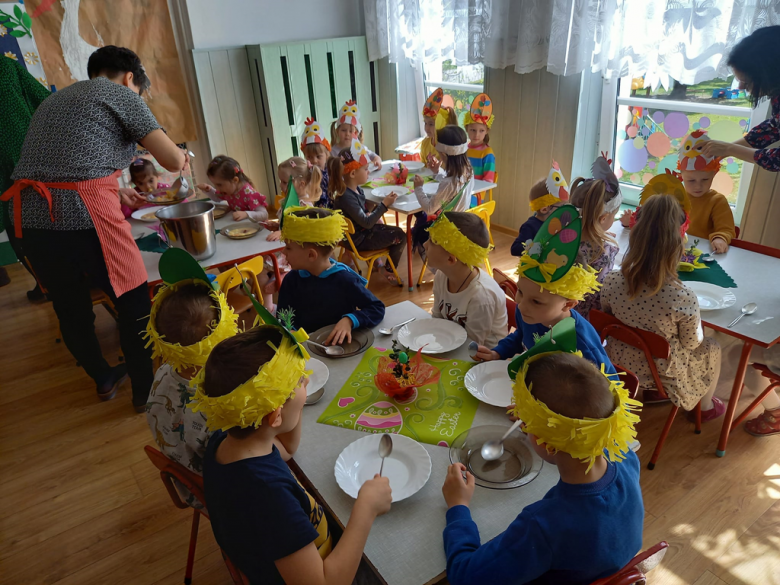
pixel 757 276
pixel 228 251
pixel 408 205
pixel 405 546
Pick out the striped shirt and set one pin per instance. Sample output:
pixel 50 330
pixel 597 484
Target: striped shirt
pixel 483 161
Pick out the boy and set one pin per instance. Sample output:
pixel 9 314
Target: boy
pixel 188 318
pixel 319 291
pixel 316 150
pixel 711 215
pixel 549 286
pixel 545 196
pixel 462 291
pixel 587 526
pixel 254 387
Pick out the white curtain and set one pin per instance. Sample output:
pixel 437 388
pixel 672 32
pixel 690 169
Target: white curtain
pixel 686 40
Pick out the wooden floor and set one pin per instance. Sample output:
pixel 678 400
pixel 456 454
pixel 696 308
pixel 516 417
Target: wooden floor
pixel 82 505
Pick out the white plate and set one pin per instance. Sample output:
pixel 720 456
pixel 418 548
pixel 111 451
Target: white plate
pixel 430 188
pixel 413 165
pixel 432 335
pixel 711 297
pixel 489 382
pixel 319 375
pixel 385 191
pixel 139 213
pixel 408 467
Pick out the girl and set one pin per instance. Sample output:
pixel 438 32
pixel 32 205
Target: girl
pixel 478 121
pixel 348 128
pixel 646 293
pixel 232 185
pixel 347 172
pixel 307 179
pixel 598 200
pixel 316 149
pixel 435 117
pixel 145 179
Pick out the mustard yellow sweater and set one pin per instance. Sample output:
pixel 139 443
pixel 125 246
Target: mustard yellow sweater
pixel 711 217
pixel 427 148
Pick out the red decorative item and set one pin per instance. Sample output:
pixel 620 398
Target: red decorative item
pixel 400 380
pixel 397 175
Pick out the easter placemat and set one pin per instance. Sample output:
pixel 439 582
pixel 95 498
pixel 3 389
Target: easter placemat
pixel 435 410
pixel 712 274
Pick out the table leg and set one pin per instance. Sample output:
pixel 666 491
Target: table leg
pixel 736 392
pixel 409 251
pixel 277 275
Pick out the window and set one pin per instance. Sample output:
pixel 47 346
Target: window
pixel 461 83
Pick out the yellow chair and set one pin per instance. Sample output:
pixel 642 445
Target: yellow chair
pixel 230 280
pixel 373 255
pixel 489 193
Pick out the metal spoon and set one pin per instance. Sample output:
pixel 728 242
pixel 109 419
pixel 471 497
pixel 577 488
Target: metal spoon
pixel 385 448
pixel 389 330
pixel 748 309
pixel 492 450
pixel 329 349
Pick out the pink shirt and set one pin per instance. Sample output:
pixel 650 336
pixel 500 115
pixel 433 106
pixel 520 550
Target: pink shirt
pixel 245 199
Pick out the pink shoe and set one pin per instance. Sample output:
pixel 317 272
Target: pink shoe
pixel 717 410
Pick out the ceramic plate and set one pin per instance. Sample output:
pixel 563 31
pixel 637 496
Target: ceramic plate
pixel 164 197
pixel 518 466
pixel 220 212
pixel 317 380
pixel 413 165
pixel 408 467
pixel 430 188
pixel 711 297
pixel 146 214
pixel 489 382
pixel 240 231
pixel 432 335
pixel 385 191
pixel 362 339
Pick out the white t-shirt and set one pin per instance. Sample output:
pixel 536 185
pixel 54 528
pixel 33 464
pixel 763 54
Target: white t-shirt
pixel 480 307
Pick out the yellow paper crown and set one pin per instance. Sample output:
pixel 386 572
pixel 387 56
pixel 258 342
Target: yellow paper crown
pixel 184 356
pixel 583 439
pixel 574 285
pixel 247 405
pixel 322 231
pixel 444 233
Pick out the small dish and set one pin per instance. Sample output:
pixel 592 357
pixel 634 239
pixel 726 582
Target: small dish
pixel 400 190
pixel 413 165
pixel 166 196
pixel 711 297
pixel 432 336
pixel 146 214
pixel 315 390
pixel 408 467
pixel 220 212
pixel 489 382
pixel 240 231
pixel 362 339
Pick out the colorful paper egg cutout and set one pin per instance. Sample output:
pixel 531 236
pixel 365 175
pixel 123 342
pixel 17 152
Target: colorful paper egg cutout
pixel 567 235
pixel 554 226
pixel 380 417
pixel 566 218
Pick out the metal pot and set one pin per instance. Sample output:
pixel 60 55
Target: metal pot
pixel 190 226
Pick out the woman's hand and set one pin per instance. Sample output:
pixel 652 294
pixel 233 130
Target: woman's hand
pixel 132 198
pixel 713 148
pixel 240 215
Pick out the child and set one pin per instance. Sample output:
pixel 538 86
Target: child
pixel 598 200
pixel 320 291
pixel 668 183
pixel 435 117
pixel 549 286
pixel 463 292
pixel 145 179
pixel 188 318
pixel 254 387
pixel 477 122
pixel 646 293
pixel 348 128
pixel 347 172
pixel 233 186
pixel 316 149
pixel 545 196
pixel 711 215
pixel 307 179
pixel 589 525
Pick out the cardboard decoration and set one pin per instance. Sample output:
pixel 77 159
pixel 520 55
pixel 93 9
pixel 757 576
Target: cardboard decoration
pixel 350 114
pixel 480 112
pixel 562 337
pixel 313 134
pixel 556 183
pixel 690 156
pixel 556 244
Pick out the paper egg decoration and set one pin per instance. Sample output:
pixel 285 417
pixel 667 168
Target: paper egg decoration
pixel 554 226
pixel 567 235
pixel 380 417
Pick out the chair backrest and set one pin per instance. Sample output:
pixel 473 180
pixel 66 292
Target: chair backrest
pixel 506 283
pixel 630 380
pixel 250 270
pixel 637 568
pixel 484 211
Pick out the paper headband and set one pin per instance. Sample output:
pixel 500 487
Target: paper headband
pixel 350 114
pixel 313 134
pixel 690 156
pixel 444 233
pixel 557 189
pixel 452 150
pixel 321 231
pixel 481 111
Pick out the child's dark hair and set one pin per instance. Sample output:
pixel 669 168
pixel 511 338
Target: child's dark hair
pixel 237 360
pixel 471 226
pixel 227 168
pixel 538 190
pixel 112 61
pixel 318 212
pixel 757 56
pixel 336 184
pixel 187 315
pixel 141 167
pixel 456 165
pixel 571 386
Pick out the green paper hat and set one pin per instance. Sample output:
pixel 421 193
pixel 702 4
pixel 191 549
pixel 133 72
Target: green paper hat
pixel 291 200
pixel 562 337
pixel 557 242
pixel 177 265
pixel 452 204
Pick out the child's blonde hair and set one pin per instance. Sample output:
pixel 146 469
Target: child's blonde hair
pixel 318 148
pixel 591 197
pixel 655 246
pixel 334 134
pixel 298 169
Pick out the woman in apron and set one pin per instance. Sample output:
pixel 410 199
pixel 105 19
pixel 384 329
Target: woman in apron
pixel 65 204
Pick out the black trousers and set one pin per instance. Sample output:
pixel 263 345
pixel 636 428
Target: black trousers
pixel 69 263
pixel 383 236
pixel 16 244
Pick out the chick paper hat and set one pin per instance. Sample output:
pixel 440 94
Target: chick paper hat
pixel 313 134
pixel 354 157
pixel 669 183
pixel 557 189
pixel 549 259
pixel 350 114
pixel 480 112
pixel 446 234
pixel 322 231
pixel 690 156
pixel 178 268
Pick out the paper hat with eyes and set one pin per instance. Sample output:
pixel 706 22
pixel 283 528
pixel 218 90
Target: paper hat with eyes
pixel 313 134
pixel 354 157
pixel 177 269
pixel 549 259
pixel 274 383
pixel 481 111
pixel 322 231
pixel 601 170
pixel 350 114
pixel 690 156
pixel 557 189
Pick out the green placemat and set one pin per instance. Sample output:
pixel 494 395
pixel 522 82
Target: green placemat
pixel 153 243
pixel 713 274
pixel 436 413
pixel 382 183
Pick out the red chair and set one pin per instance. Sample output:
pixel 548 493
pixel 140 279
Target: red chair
pixel 510 290
pixel 774 383
pixel 630 381
pixel 170 470
pixel 635 572
pixel 653 346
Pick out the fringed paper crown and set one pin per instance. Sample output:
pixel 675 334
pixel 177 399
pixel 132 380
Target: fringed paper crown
pixel 690 156
pixel 313 134
pixel 446 234
pixel 350 114
pixel 549 259
pixel 322 231
pixel 557 189
pixel 481 111
pixel 177 269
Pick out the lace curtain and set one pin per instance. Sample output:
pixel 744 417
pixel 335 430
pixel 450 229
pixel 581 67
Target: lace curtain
pixel 686 40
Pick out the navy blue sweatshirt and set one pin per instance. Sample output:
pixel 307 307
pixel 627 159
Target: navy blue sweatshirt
pixel 527 232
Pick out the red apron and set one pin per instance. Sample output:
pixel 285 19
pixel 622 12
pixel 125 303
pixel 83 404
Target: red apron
pixel 125 266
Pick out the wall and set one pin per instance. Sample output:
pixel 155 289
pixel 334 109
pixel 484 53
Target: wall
pixel 252 22
pixel 762 210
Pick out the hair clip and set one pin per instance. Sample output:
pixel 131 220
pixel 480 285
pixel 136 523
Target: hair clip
pixel 292 163
pixel 308 164
pixel 138 161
